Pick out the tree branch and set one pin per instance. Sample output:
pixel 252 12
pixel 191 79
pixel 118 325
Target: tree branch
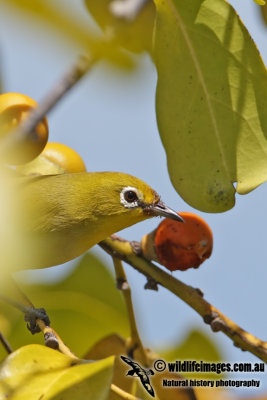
pixel 123 250
pixel 71 77
pixel 135 340
pixel 5 343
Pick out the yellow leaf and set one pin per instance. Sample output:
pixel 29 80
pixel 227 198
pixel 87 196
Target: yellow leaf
pixel 36 372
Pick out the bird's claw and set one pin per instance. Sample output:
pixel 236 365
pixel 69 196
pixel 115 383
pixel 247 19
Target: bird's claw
pixel 32 315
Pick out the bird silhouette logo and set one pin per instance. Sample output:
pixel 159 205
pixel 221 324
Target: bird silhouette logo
pixel 141 373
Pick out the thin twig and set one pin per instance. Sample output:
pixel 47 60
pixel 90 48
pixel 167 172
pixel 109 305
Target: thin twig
pixel 122 249
pixel 5 344
pixel 71 77
pixel 135 341
pixel 127 9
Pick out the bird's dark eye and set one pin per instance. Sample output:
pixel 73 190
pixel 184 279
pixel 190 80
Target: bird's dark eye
pixel 130 196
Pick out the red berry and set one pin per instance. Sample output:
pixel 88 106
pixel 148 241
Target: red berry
pixel 182 246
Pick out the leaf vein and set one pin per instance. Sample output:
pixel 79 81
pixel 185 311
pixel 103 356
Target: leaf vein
pixel 202 81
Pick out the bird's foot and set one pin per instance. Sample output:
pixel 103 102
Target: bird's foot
pixel 31 315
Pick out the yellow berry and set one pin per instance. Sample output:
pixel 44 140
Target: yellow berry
pixel 64 156
pixel 14 109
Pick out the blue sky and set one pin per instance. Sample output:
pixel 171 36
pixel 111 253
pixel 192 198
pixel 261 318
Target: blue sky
pixel 109 118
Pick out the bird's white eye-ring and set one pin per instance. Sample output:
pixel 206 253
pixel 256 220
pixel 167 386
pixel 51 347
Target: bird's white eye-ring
pixel 129 197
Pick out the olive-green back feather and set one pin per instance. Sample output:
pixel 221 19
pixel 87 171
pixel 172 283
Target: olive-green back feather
pixel 69 213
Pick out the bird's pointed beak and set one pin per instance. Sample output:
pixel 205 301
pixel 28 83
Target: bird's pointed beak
pixel 161 210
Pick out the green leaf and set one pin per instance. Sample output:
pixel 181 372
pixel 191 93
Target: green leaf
pixel 36 372
pixel 211 102
pixel 84 307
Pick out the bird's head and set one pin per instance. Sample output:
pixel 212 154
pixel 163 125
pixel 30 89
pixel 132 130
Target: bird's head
pixel 135 198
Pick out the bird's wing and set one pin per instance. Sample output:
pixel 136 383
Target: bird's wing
pixel 143 376
pixel 146 382
pixel 127 360
pixel 50 202
pixel 149 389
pixel 132 372
pixel 130 362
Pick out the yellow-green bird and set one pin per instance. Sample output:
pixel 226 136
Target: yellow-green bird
pixel 65 215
